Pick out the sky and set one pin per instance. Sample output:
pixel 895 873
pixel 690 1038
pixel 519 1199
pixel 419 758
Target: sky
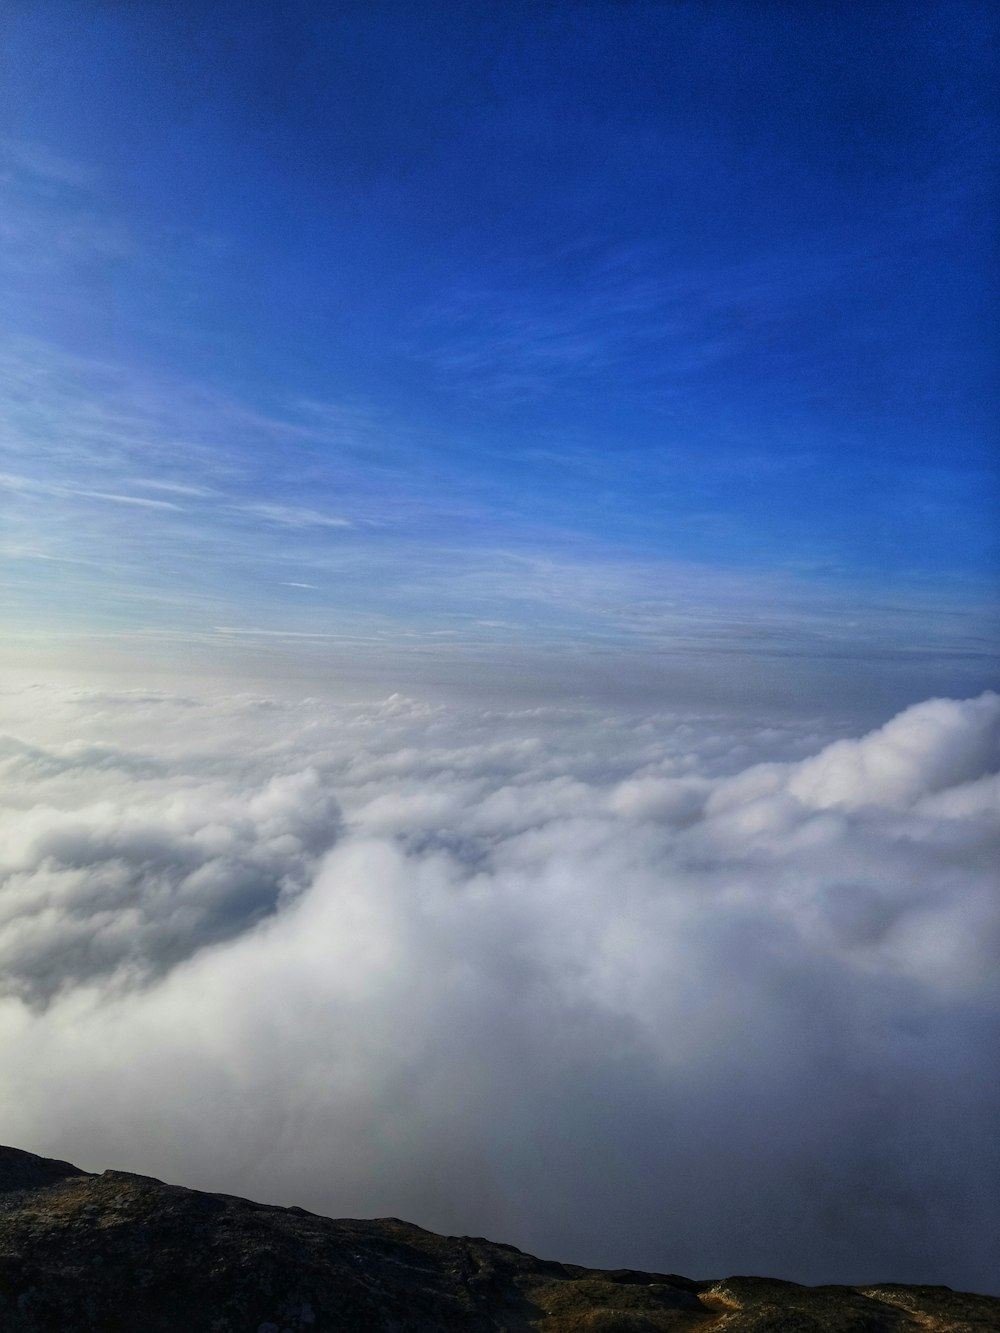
pixel 498 618
pixel 343 339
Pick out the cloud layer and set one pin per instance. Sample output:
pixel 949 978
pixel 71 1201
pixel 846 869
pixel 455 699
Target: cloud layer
pixel 709 994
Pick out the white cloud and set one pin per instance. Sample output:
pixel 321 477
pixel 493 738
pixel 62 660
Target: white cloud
pixel 293 516
pixel 705 993
pixel 140 500
pixel 940 744
pixel 172 487
pixel 101 884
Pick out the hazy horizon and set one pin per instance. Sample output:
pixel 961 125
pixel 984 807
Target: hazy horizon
pixel 498 509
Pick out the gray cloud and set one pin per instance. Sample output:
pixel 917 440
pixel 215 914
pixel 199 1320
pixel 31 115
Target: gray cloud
pixel 707 993
pixel 135 866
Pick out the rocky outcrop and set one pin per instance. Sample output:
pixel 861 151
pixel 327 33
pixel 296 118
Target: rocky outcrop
pixel 118 1253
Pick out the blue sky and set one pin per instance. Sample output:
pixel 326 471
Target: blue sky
pixel 650 341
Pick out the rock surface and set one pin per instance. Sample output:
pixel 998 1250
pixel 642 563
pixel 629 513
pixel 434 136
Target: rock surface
pixel 117 1253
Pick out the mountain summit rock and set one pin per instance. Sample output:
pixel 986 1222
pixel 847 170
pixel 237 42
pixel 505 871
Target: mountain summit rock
pixel 118 1253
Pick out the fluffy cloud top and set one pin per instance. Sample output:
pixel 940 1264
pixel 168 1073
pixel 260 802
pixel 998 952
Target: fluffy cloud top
pixel 117 870
pixel 707 994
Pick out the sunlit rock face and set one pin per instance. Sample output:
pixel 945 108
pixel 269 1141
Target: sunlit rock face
pixel 115 1252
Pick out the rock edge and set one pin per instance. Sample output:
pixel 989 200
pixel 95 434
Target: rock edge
pixel 117 1252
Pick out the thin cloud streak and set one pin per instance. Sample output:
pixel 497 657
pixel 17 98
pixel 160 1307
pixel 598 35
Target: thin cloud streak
pixel 139 500
pixel 292 516
pixel 171 487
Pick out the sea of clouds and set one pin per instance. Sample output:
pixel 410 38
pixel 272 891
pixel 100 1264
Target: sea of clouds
pixel 698 993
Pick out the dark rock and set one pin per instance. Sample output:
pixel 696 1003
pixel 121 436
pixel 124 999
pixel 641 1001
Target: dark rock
pixel 112 1253
pixel 24 1171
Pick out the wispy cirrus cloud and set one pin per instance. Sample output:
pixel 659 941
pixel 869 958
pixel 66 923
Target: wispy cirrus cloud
pixel 142 501
pixel 292 516
pixel 97 450
pixel 54 226
pixel 534 337
pixel 43 162
pixel 25 485
pixel 171 487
